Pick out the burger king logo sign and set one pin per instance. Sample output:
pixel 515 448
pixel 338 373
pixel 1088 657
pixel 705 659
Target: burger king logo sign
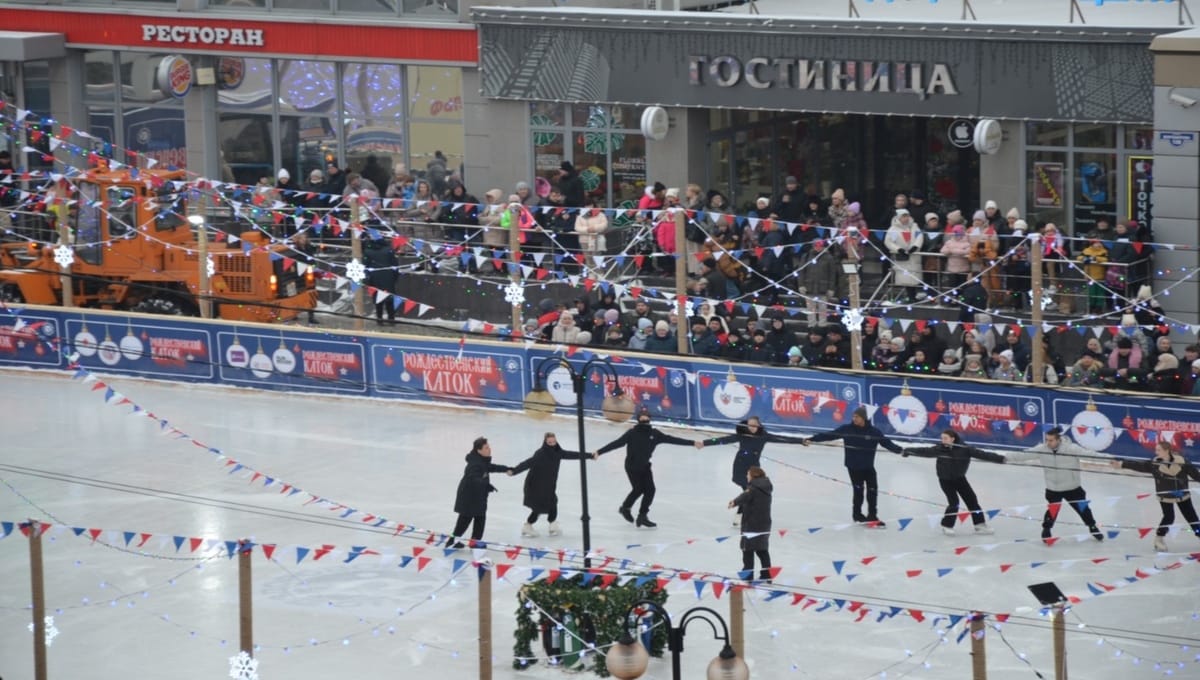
pixel 174 76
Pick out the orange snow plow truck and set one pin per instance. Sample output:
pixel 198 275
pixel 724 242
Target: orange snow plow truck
pixel 134 249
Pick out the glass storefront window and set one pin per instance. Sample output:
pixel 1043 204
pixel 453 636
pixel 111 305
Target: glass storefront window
pixel 239 4
pixel 754 176
pixel 1046 174
pixel 245 125
pixel 98 76
pixel 307 115
pixel 590 151
pixel 435 110
pixel 1096 136
pixel 628 169
pixel 545 114
pixel 720 160
pixel 373 121
pixel 1095 190
pixel 547 158
pixel 318 6
pixel 157 132
pixel 1139 139
pixel 1046 134
pixel 367 6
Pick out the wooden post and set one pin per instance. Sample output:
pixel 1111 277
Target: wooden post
pixel 356 253
pixel 1060 643
pixel 856 358
pixel 245 599
pixel 681 293
pixel 37 585
pixel 485 622
pixel 737 621
pixel 978 648
pixel 196 208
pixel 514 258
pixel 65 280
pixel 1038 357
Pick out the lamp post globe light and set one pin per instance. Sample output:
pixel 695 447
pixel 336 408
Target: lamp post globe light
pixel 628 659
pixel 541 403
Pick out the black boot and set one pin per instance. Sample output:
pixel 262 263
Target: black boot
pixel 644 521
pixel 626 514
pixel 1096 533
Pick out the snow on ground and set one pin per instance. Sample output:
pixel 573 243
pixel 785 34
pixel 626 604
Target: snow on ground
pixel 69 458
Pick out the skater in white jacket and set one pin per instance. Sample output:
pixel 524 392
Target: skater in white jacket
pixel 1060 459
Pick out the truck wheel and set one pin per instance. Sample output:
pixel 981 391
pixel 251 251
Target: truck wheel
pixel 163 304
pixel 10 292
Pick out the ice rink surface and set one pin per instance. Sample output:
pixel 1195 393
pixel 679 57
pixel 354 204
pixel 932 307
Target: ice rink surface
pixel 71 459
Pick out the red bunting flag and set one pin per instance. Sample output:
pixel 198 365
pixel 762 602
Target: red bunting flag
pixel 717 589
pixel 868 560
pixel 322 551
pixel 195 543
pixel 917 614
pixel 913 573
pixel 502 569
pixel 797 598
pixel 423 562
pixel 268 550
pixel 1005 567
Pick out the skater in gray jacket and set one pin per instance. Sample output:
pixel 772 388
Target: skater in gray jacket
pixel 1060 459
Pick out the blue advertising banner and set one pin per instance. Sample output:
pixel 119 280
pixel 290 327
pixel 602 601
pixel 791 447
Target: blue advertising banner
pixel 922 409
pixel 431 370
pixel 661 386
pixel 787 400
pixel 292 360
pixel 22 341
pixel 142 349
pixel 1128 426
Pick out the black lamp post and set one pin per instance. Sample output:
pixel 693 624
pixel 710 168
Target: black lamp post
pixel 539 403
pixel 627 659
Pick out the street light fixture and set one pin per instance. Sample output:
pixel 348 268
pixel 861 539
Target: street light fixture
pixel 540 403
pixel 628 659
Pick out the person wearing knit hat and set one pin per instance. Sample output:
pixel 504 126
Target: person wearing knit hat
pixel 991 215
pixel 954 217
pixel 673 192
pixel 931 217
pixel 861 439
pixel 662 340
pixel 837 211
pixel 639 442
pixel 1005 370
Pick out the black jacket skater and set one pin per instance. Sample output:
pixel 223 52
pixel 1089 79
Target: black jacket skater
pixel 474 487
pixel 639 442
pixel 860 444
pixel 541 485
pixel 755 506
pixel 750 448
pixel 953 461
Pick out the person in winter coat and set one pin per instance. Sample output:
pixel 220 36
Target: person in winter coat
pixel 1166 378
pixel 662 340
pixel 571 185
pixel 861 439
pixel 957 250
pixel 973 367
pixel 1125 365
pixel 1005 370
pixel 1061 462
pixel 381 262
pixel 754 504
pixel 750 437
pixel 852 234
pixel 818 274
pixel 591 225
pixel 953 458
pixel 639 442
pixel 645 329
pixel 1093 259
pixel 1171 471
pixel 838 210
pixel 1086 371
pixel 566 331
pixel 471 500
pixel 541 485
pixel 950 365
pixel 903 241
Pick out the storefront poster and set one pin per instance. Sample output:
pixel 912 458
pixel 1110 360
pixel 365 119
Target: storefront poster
pixel 140 349
pixel 425 371
pixel 924 410
pixel 1048 185
pixel 1105 424
pixel 287 360
pixel 1140 179
pixel 794 400
pixel 23 340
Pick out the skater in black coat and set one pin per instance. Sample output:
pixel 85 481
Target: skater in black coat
pixel 1171 471
pixel 639 442
pixel 953 458
pixel 755 505
pixel 541 486
pixel 471 501
pixel 861 439
pixel 751 437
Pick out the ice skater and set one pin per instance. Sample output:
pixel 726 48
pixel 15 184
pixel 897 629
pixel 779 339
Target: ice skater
pixel 541 486
pixel 471 501
pixel 1060 462
pixel 639 442
pixel 953 458
pixel 1171 471
pixel 861 439
pixel 751 437
pixel 755 505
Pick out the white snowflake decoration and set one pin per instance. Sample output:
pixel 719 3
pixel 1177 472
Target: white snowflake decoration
pixel 51 631
pixel 355 271
pixel 64 256
pixel 210 267
pixel 1047 299
pixel 514 294
pixel 243 667
pixel 689 309
pixel 853 319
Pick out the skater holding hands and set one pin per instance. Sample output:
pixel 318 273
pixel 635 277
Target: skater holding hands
pixel 755 505
pixel 639 442
pixel 1060 459
pixel 750 437
pixel 471 501
pixel 541 486
pixel 953 458
pixel 861 439
pixel 1171 472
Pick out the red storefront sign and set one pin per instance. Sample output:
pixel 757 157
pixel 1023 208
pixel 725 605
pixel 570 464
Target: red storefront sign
pixel 315 38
